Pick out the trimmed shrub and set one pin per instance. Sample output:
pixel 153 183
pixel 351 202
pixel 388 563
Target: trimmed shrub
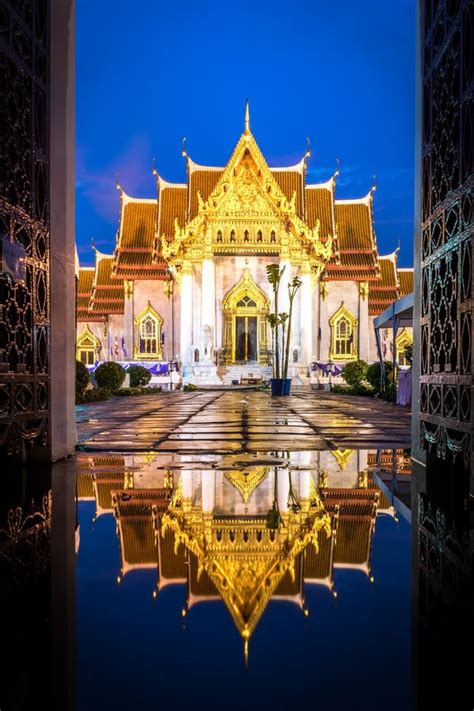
pixel 130 392
pixel 354 372
pixel 373 375
pixel 189 388
pixel 94 395
pixel 139 376
pixel 109 375
pixel 82 379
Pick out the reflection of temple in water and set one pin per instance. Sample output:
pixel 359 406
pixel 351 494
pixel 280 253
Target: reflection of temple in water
pixel 251 531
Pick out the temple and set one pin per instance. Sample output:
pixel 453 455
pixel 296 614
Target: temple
pixel 187 280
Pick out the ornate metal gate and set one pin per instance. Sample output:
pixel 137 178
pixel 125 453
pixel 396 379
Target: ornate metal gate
pixel 24 224
pixel 446 275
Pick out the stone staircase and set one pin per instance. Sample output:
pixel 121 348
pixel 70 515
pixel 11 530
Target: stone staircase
pixel 237 372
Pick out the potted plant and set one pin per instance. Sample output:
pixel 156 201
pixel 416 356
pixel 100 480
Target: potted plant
pixel 281 384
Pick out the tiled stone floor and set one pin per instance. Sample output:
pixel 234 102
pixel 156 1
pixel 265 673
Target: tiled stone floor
pixel 226 422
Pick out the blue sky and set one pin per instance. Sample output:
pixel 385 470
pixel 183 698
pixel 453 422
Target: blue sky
pixel 150 72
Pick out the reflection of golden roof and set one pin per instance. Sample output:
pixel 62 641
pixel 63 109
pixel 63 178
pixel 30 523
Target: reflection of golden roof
pixel 133 513
pixel 243 559
pixel 246 482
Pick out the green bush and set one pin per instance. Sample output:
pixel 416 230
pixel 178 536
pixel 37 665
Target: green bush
pixel 82 379
pixel 139 376
pixel 359 389
pixel 373 375
pixel 109 375
pixel 94 395
pixel 354 372
pixel 129 392
pixel 189 388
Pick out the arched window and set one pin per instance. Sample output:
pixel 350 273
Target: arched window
pixel 219 236
pixel 259 236
pixel 196 355
pixel 343 335
pixel 272 236
pixel 88 347
pixel 232 235
pixel 148 341
pixel 403 342
pixel 246 236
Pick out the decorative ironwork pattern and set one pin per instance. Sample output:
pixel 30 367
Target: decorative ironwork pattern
pixel 446 308
pixel 24 222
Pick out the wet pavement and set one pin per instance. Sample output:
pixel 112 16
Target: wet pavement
pixel 225 422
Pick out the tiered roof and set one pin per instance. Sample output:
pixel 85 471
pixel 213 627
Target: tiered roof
pixel 145 224
pixel 356 256
pixel 107 295
pixel 84 292
pixel 393 284
pixel 134 253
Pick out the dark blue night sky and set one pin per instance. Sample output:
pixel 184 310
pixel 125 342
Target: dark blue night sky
pixel 150 73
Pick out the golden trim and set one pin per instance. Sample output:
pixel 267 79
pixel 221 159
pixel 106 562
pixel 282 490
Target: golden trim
pixel 342 457
pixel 343 313
pixel 245 287
pixel 87 343
pixel 144 313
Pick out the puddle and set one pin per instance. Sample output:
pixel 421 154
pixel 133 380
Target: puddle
pixel 257 576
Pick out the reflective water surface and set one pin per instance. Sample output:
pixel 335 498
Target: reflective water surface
pixel 231 581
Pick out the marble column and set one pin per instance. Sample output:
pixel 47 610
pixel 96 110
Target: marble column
pixel 128 323
pixel 186 326
pixel 283 489
pixel 208 488
pixel 208 307
pixel 363 324
pixel 306 317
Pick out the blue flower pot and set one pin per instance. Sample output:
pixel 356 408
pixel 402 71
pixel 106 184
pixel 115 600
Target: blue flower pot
pixel 286 386
pixel 277 386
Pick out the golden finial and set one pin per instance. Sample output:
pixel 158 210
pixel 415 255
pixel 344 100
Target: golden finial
pixel 153 168
pixel 374 186
pixel 184 152
pixel 308 148
pixel 247 116
pixel 117 184
pixel 338 169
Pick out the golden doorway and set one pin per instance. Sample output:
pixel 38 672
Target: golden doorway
pixel 245 309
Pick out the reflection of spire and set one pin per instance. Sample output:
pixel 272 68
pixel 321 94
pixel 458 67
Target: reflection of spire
pixel 246 652
pixel 247 116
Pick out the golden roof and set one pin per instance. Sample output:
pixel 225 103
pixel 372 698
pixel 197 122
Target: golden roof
pixel 291 181
pixel 173 206
pixel 319 205
pixel 107 293
pixel 134 253
pixel 356 246
pixel 84 291
pixel 405 277
pixel 385 290
pixel 202 182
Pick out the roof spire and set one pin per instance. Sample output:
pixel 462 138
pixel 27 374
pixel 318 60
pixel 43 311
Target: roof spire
pixel 184 152
pixel 308 148
pixel 247 116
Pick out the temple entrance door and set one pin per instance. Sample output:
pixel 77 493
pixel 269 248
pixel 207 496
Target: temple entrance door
pixel 245 338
